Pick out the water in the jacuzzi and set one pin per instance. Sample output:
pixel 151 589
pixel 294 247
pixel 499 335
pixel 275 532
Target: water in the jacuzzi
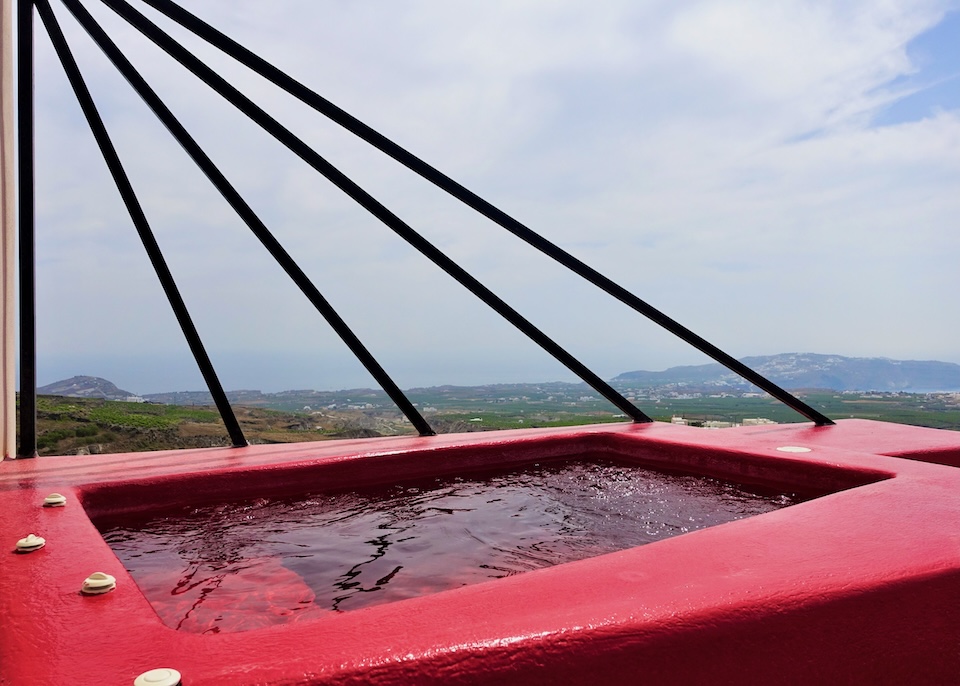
pixel 243 565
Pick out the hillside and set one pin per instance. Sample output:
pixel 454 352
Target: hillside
pixel 85 387
pixel 809 370
pixel 69 426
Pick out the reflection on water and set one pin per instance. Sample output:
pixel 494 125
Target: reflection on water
pixel 239 566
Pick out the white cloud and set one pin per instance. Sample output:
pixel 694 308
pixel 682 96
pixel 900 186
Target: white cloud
pixel 717 158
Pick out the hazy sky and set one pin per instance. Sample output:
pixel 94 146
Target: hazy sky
pixel 779 177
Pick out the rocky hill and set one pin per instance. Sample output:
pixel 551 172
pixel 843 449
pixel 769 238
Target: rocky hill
pixel 85 387
pixel 809 370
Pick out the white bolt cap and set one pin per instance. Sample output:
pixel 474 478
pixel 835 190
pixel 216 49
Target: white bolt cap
pixel 30 543
pixel 98 583
pixel 793 449
pixel 158 677
pixel 55 500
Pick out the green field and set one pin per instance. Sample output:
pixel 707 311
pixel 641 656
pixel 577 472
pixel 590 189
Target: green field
pixel 73 425
pixel 915 410
pixel 936 411
pixel 552 406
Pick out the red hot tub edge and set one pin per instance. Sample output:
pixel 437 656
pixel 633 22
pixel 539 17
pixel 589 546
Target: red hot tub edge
pixel 857 586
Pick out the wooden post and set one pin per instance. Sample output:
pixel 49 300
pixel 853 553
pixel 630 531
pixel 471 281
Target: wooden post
pixel 8 194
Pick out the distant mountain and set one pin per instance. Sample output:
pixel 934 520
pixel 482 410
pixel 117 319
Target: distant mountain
pixel 789 370
pixel 809 370
pixel 85 387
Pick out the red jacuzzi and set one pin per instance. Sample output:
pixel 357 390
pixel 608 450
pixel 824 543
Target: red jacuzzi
pixel 858 583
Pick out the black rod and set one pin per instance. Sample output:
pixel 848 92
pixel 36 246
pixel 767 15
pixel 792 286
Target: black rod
pixel 26 222
pixel 441 180
pixel 243 209
pixel 125 188
pixel 369 203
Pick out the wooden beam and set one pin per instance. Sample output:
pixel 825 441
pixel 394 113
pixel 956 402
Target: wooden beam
pixel 8 210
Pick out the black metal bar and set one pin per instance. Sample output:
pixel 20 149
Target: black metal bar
pixel 26 222
pixel 438 178
pixel 259 229
pixel 112 159
pixel 369 203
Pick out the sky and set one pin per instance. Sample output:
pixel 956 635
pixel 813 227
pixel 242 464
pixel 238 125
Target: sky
pixel 777 177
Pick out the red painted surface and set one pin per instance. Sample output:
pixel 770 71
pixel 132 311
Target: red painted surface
pixel 858 586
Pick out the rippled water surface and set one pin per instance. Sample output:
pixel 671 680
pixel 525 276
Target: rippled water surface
pixel 239 566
